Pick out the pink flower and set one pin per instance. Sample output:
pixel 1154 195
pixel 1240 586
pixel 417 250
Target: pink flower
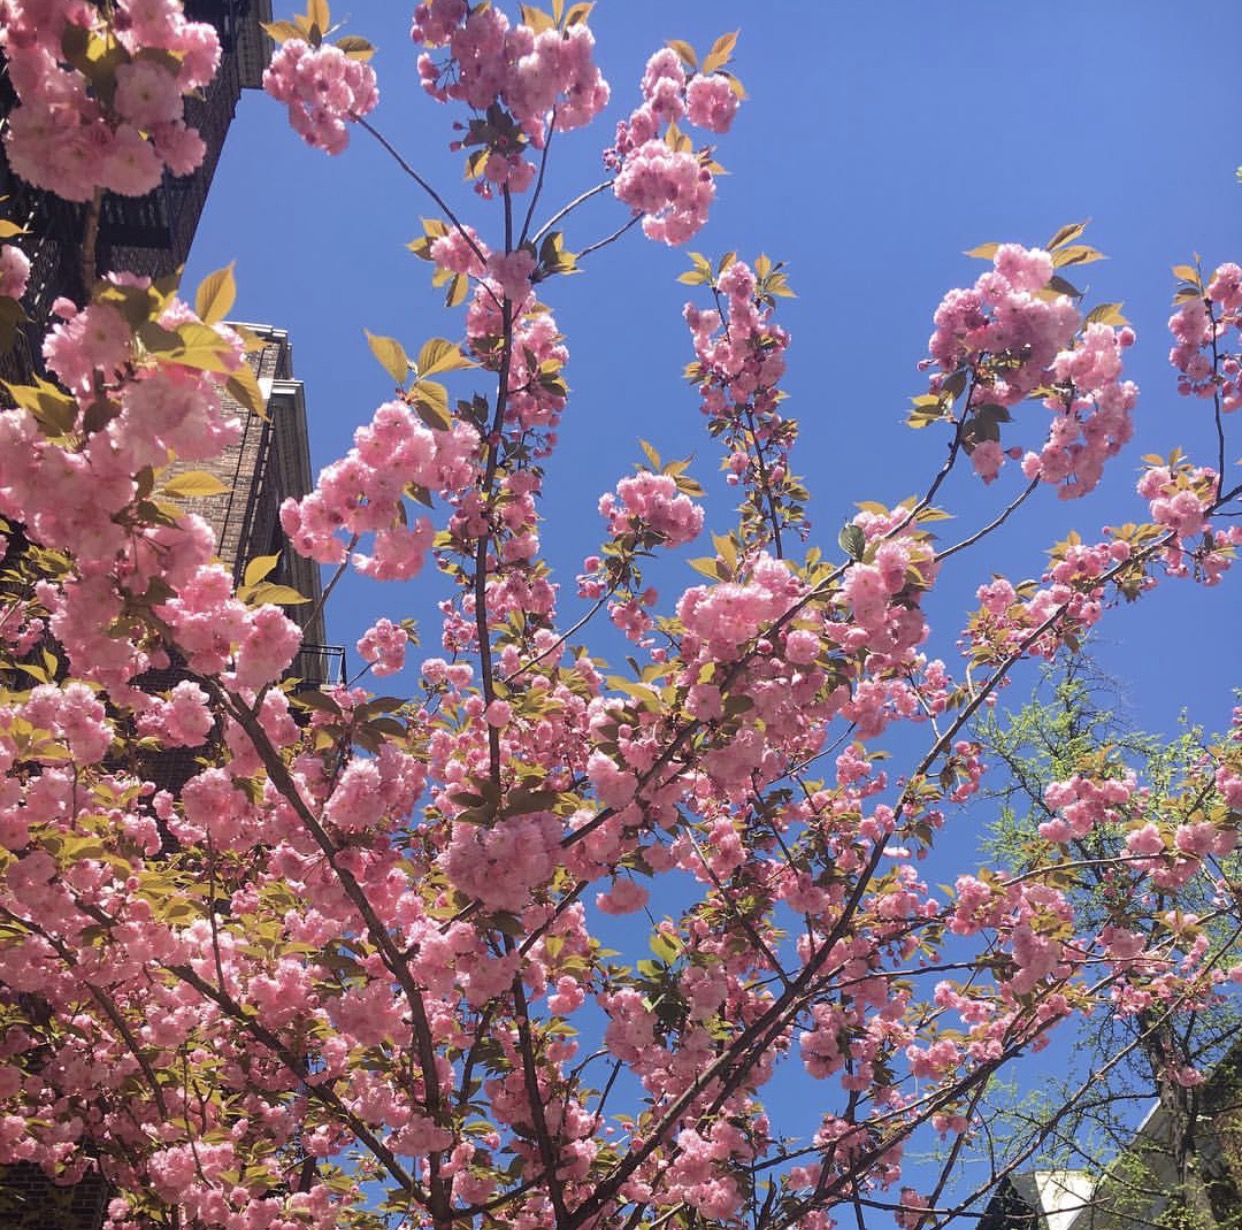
pixel 625 897
pixel 711 102
pixel 14 271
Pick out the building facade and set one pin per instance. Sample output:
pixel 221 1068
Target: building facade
pixel 152 235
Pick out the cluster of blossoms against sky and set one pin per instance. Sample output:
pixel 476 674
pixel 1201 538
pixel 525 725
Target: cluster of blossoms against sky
pixel 360 947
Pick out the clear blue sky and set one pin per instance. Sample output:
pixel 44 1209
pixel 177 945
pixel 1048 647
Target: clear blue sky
pixel 880 140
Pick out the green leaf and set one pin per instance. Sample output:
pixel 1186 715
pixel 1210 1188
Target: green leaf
pixel 260 567
pixel 194 485
pixel 458 289
pixel 440 355
pixel 852 540
pixel 203 348
pixel 243 387
pixel 215 296
pixel 391 355
pixel 267 594
pixel 431 405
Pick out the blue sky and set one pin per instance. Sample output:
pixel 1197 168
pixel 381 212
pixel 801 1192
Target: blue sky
pixel 880 140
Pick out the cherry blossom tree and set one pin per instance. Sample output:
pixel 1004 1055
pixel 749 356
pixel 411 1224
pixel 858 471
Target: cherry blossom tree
pixel 352 973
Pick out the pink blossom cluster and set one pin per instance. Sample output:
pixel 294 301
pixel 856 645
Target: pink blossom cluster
pixel 78 492
pixel 1067 606
pixel 1181 498
pixel 536 393
pixel 383 645
pixel 1083 803
pixel 72 135
pixel 741 356
pixel 182 719
pixel 650 504
pixel 14 271
pixel 1091 421
pixel 1206 366
pixel 324 90
pixel 543 81
pixel 364 492
pixel 671 186
pixel 213 629
pixel 1011 337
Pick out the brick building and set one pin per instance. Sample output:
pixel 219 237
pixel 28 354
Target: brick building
pixel 152 235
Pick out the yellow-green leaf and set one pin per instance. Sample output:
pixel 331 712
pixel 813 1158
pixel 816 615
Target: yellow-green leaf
pixel 281 31
pixel 391 355
pixel 355 47
pixel 721 52
pixel 202 347
pixel 9 229
pixel 318 15
pixel 684 50
pixel 1106 314
pixel 537 19
pixel 985 251
pixel 1067 234
pixel 1188 273
pixel 578 13
pixel 195 484
pixel 243 387
pixel 458 289
pixel 267 594
pixel 1075 254
pixel 215 296
pixel 260 567
pixel 431 404
pixel 711 569
pixel 440 355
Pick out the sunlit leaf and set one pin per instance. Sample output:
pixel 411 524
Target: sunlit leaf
pixel 721 53
pixel 391 355
pixel 215 296
pixel 259 567
pixel 1067 234
pixel 243 387
pixel 1076 254
pixel 1106 314
pixel 267 594
pixel 355 47
pixel 195 484
pixel 685 51
pixel 440 355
